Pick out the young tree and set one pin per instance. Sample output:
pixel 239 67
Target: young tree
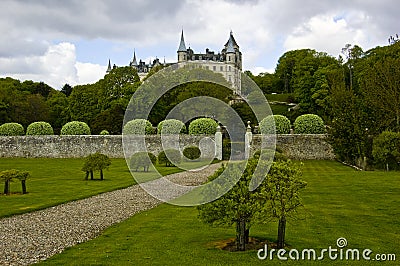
pixel 282 188
pixel 238 206
pixel 95 162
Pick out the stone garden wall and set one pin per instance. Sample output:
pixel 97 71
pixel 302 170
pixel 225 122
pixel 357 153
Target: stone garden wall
pixel 81 146
pixel 300 147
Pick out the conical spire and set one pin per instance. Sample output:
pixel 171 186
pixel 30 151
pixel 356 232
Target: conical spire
pixel 182 46
pixel 134 62
pixel 230 45
pixel 109 66
pixel 232 40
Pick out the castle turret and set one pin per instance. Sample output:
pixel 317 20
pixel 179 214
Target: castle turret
pixel 134 62
pixel 182 51
pixel 230 51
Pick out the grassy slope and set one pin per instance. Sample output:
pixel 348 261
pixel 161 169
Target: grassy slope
pixel 340 202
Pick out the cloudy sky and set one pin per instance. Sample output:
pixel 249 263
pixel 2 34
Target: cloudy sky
pixel 70 41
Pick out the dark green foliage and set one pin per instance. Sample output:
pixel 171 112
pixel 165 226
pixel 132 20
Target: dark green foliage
pixel 138 127
pixel 75 128
pixel 192 152
pixel 309 124
pixel 39 128
pixel 386 150
pixel 169 157
pixel 266 154
pixel 142 159
pixel 95 162
pixel 272 124
pixel 203 126
pixel 8 175
pixel 11 129
pixel 171 126
pixel 226 149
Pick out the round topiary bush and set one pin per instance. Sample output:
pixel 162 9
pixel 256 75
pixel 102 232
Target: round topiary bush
pixel 39 128
pixel 282 125
pixel 171 126
pixel 75 128
pixel 11 129
pixel 169 157
pixel 104 132
pixel 138 127
pixel 203 126
pixel 192 152
pixel 142 159
pixel 309 124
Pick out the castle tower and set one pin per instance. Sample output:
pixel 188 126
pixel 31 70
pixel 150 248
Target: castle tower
pixel 182 51
pixel 134 62
pixel 230 51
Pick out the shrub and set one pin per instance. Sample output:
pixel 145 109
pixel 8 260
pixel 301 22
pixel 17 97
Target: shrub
pixel 95 162
pixel 267 154
pixel 138 127
pixel 171 126
pixel 11 129
pixel 104 132
pixel 39 128
pixel 282 125
pixel 75 128
pixel 169 157
pixel 203 126
pixel 309 124
pixel 142 159
pixel 386 150
pixel 192 152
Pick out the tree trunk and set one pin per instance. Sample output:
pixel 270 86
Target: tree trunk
pixel 101 175
pixel 246 235
pixel 23 184
pixel 241 235
pixel 7 187
pixel 91 175
pixel 281 232
pixel 87 175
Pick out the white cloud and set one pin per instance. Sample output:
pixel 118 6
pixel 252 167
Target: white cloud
pixel 329 33
pixel 89 73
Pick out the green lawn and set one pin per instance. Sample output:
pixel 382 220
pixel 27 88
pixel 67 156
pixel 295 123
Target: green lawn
pixel 363 207
pixel 56 181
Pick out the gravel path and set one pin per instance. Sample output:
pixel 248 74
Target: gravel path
pixel 29 238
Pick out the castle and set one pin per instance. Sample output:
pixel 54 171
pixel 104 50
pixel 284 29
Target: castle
pixel 228 62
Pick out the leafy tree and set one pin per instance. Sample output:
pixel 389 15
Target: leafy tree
pixel 59 113
pixel 96 162
pixel 192 152
pixel 239 206
pixel 8 175
pixel 282 191
pixel 386 150
pixel 142 159
pixel 169 157
pixel 66 89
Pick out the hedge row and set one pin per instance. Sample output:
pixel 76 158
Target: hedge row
pixel 304 124
pixel 170 157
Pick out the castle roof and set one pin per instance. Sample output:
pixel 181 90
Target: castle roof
pixel 109 66
pixel 229 47
pixel 134 62
pixel 231 39
pixel 182 46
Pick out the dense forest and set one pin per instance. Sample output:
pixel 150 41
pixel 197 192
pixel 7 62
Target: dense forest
pixel 357 95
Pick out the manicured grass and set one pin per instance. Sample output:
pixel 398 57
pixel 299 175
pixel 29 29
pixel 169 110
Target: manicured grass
pixel 363 207
pixel 56 181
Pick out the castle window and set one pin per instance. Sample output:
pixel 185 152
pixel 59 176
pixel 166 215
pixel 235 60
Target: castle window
pixel 229 78
pixel 222 68
pixel 214 68
pixel 229 68
pixel 193 58
pixel 200 57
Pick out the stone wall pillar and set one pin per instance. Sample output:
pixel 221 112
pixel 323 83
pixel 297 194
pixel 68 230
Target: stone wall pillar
pixel 218 144
pixel 247 141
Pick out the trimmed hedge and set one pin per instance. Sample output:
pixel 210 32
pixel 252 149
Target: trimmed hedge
pixel 267 154
pixel 203 126
pixel 138 127
pixel 142 159
pixel 309 124
pixel 75 128
pixel 192 152
pixel 171 126
pixel 39 128
pixel 169 157
pixel 11 129
pixel 104 132
pixel 282 125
